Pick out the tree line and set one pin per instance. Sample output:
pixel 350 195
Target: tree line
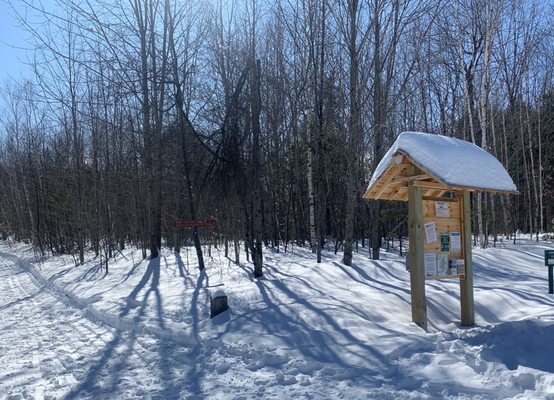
pixel 269 116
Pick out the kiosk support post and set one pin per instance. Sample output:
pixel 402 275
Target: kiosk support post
pixel 417 270
pixel 466 283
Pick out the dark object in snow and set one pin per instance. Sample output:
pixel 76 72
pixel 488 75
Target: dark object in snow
pixel 549 262
pixel 218 303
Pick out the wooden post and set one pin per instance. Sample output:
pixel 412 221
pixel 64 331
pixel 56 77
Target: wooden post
pixel 417 269
pixel 466 283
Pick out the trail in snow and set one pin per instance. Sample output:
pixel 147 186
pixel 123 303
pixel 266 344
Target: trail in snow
pixel 48 349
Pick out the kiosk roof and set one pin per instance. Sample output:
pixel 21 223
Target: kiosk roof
pixel 444 164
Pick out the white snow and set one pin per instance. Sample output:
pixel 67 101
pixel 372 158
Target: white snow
pixel 451 161
pixel 305 331
pixel 218 293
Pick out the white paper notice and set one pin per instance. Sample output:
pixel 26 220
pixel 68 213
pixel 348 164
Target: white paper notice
pixel 442 264
pixel 430 262
pixel 430 232
pixel 455 241
pixel 441 209
pixel 461 267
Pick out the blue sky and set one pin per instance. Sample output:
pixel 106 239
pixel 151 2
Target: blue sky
pixel 13 41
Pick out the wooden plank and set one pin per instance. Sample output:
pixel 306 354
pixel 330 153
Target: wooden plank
pixel 435 198
pixel 386 187
pixel 427 184
pixel 437 193
pixel 438 186
pixel 420 169
pixel 417 269
pixel 443 223
pixel 466 283
pixel 406 179
pixel 401 194
pixel 383 183
pixel 428 192
pixel 439 277
pixel 429 212
pixel 388 193
pixel 443 187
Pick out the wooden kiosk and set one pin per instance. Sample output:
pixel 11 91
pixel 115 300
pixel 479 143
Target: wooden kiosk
pixel 436 174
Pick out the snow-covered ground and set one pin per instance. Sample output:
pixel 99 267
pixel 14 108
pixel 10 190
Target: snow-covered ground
pixel 304 331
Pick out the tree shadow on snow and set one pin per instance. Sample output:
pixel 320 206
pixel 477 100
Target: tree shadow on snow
pixel 280 318
pixel 152 275
pixel 23 299
pixel 111 363
pixel 195 376
pixel 132 270
pixel 109 367
pixel 93 273
pixel 96 371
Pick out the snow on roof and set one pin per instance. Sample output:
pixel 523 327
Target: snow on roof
pixel 451 161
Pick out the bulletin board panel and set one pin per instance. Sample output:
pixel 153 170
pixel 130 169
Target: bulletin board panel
pixel 445 215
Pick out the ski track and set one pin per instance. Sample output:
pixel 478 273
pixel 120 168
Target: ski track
pixel 55 351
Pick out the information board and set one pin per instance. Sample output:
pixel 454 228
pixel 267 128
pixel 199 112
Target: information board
pixel 442 233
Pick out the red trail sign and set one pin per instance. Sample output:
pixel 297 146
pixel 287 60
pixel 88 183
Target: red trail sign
pixel 198 223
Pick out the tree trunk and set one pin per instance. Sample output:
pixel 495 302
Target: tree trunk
pixel 255 104
pixel 311 188
pixel 354 134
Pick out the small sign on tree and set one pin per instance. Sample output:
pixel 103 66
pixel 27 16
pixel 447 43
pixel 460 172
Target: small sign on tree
pixel 198 223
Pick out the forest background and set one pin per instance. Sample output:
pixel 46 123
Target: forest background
pixel 268 116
